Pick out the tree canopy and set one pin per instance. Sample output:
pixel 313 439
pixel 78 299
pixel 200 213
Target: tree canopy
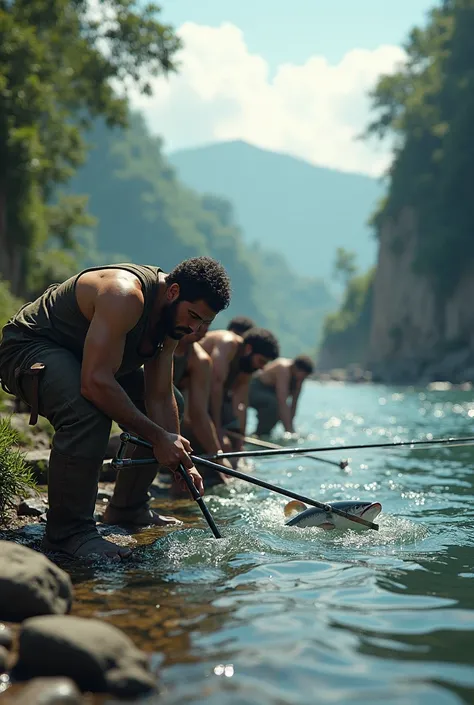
pixel 427 106
pixel 58 59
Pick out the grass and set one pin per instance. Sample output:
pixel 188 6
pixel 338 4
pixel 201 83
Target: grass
pixel 16 477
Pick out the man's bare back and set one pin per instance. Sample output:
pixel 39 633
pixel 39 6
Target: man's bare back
pixel 275 370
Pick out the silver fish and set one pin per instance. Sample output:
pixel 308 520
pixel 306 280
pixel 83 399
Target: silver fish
pixel 313 516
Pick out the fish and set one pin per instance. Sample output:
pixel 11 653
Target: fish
pixel 303 516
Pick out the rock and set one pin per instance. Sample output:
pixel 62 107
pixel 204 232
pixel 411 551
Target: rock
pixel 38 460
pixel 96 655
pixel 104 494
pixel 32 507
pixel 439 386
pixel 30 584
pixel 6 636
pixel 50 691
pixel 3 660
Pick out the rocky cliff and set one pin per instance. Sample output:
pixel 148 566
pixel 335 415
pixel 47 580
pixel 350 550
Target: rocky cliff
pixel 414 337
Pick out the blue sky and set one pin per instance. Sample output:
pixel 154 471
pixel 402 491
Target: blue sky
pixel 292 30
pixel 292 77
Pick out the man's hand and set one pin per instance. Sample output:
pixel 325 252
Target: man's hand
pixel 225 464
pixel 171 450
pixel 196 479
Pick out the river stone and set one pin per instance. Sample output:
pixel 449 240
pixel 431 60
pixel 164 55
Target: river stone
pixel 3 659
pixel 50 691
pixel 6 636
pixel 30 584
pixel 96 655
pixel 32 507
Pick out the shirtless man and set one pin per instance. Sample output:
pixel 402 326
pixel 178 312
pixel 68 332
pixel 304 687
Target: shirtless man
pixel 234 360
pixel 271 389
pixel 106 339
pixel 240 324
pixel 192 376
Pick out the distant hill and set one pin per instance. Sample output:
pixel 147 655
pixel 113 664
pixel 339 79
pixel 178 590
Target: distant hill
pixel 145 214
pixel 302 211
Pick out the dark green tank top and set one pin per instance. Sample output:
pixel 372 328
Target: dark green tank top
pixel 56 316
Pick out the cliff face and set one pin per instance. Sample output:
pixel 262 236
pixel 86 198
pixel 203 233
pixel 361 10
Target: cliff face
pixel 413 338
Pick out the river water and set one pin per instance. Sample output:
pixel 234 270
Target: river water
pixel 285 616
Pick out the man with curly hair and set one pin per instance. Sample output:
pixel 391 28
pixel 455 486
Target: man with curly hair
pixel 234 360
pixel 272 388
pixel 240 324
pixel 99 348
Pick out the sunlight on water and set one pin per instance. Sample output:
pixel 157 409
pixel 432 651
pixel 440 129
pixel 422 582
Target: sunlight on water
pixel 280 615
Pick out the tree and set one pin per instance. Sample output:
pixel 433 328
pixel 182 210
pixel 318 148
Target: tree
pixel 428 105
pixel 344 266
pixel 58 60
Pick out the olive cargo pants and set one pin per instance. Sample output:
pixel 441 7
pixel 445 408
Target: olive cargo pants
pixel 81 434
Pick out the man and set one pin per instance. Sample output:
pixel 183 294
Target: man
pixel 271 388
pixel 240 324
pixel 192 376
pixel 234 360
pixel 106 339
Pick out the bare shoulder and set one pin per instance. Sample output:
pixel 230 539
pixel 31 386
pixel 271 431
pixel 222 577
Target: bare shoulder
pixel 115 293
pixel 220 340
pixel 200 355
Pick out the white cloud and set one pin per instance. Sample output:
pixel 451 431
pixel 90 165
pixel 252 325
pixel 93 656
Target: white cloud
pixel 314 111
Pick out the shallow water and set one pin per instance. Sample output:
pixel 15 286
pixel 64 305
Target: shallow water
pixel 281 616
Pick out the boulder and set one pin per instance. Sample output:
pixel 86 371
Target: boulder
pixel 30 584
pixel 50 691
pixel 94 654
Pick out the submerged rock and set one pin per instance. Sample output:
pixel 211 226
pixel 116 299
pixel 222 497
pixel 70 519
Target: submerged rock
pixel 3 659
pixel 6 636
pixel 50 691
pixel 30 584
pixel 96 655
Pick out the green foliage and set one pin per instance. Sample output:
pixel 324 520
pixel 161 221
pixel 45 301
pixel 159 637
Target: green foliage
pixel 287 204
pixel 144 212
pixel 346 333
pixel 9 304
pixel 344 265
pixel 15 476
pixel 58 59
pixel 428 106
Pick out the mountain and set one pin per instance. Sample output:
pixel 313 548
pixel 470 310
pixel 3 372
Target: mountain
pixel 302 211
pixel 147 215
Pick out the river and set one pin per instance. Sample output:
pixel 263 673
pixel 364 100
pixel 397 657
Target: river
pixel 285 616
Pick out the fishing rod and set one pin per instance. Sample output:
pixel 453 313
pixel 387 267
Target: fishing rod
pixel 274 446
pixel 452 442
pixel 120 462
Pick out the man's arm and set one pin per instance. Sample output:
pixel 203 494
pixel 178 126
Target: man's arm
pixel 118 306
pixel 221 356
pixel 160 401
pixel 240 402
pixel 199 386
pixel 282 388
pixel 294 400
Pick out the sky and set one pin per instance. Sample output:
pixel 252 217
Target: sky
pixel 292 76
